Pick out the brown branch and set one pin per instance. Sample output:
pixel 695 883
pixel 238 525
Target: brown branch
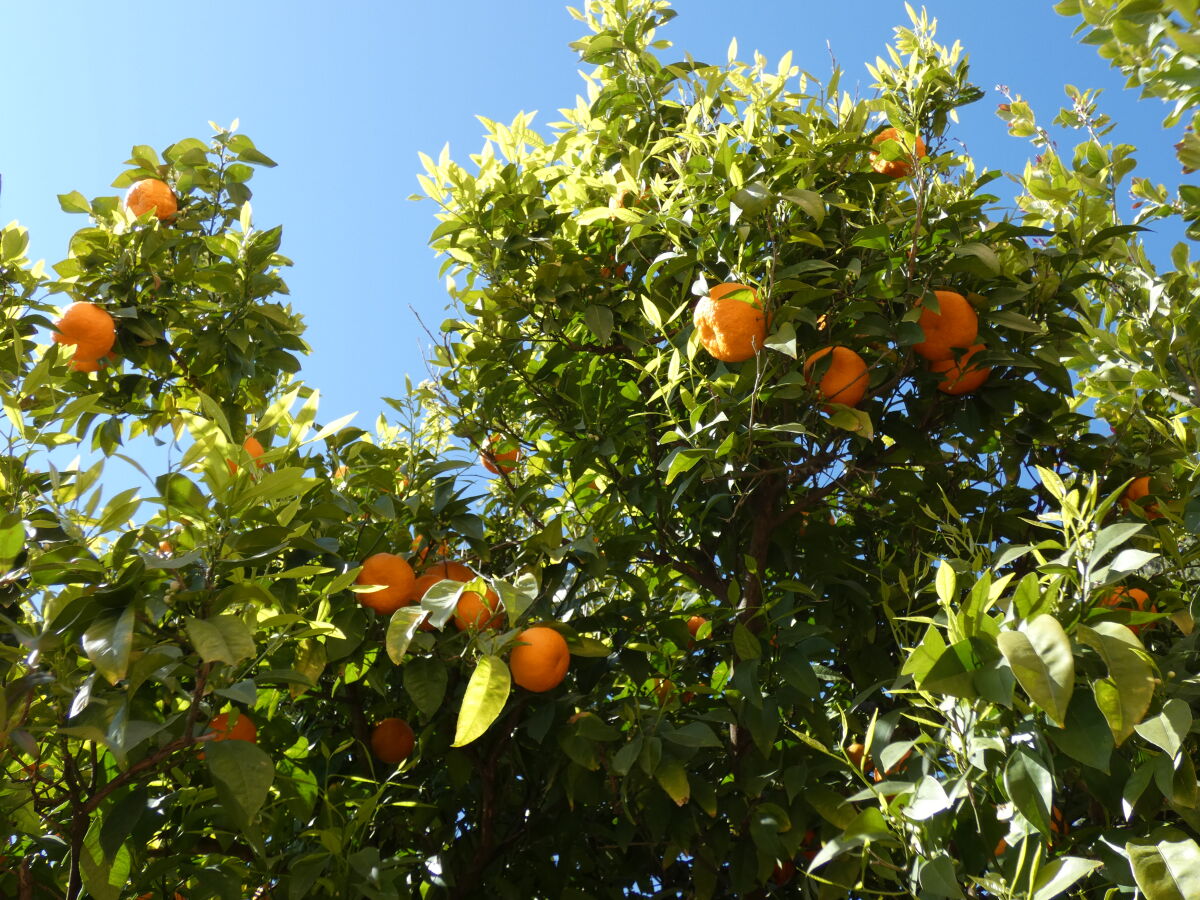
pixel 152 761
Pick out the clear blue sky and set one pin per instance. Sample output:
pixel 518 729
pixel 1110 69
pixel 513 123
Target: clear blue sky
pixel 344 97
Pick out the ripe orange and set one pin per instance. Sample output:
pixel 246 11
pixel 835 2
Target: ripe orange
pixel 424 551
pixel 845 380
pixel 455 571
pixel 857 754
pixel 954 326
pixel 397 578
pixel 1139 488
pixel 241 730
pixel 901 167
pixel 961 376
pixel 504 460
pixel 477 612
pixel 254 449
pixel 663 688
pixel 392 741
pixel 731 328
pixel 539 661
pixel 783 872
pixel 90 329
pixel 1129 598
pixel 694 624
pixel 878 774
pixel 148 194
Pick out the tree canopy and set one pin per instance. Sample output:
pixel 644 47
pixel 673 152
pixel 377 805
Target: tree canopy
pixel 938 642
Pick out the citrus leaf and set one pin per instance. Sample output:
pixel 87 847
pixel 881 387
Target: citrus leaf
pixel 946 582
pixel 1125 695
pixel 108 643
pixel 1168 869
pixel 105 878
pixel 1059 874
pixel 1030 787
pixel 401 627
pixel 425 680
pixel 672 777
pixel 1168 729
pixel 486 694
pixel 242 774
pixel 221 639
pixel 1041 659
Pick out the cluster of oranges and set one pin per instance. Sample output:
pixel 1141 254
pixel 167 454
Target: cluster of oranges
pixel 88 327
pixel 731 323
pixel 731 326
pixel 538 662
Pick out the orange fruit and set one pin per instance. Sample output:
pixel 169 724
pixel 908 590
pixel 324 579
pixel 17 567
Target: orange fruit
pixel 478 612
pixel 1139 488
pixel 148 194
pixel 857 754
pixel 90 329
pixel 455 571
pixel 392 741
pixel 1129 598
pixel 254 449
pixel 397 578
pixel 539 661
pixel 901 167
pixel 783 872
pixel 663 688
pixel 845 380
pixel 730 328
pixel 241 730
pixel 954 326
pixel 423 552
pixel 878 774
pixel 961 376
pixel 694 624
pixel 502 461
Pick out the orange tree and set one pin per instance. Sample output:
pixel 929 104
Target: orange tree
pixel 912 671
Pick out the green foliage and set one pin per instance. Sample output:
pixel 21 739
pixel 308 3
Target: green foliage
pixel 916 675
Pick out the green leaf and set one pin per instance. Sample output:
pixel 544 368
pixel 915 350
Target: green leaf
pixel 672 777
pixel 809 201
pixel 599 320
pixel 938 879
pixel 242 773
pixel 1086 736
pixel 487 692
pixel 108 643
pixel 866 827
pixel 104 877
pixel 1168 729
pixel 628 755
pixel 1125 695
pixel 1057 876
pixel 401 627
pixel 983 253
pixel 221 639
pixel 946 582
pixel 928 800
pixel 1168 869
pixel 1041 659
pixel 693 734
pixel 425 680
pixel 588 647
pixel 783 340
pixel 746 645
pixel 1030 787
pixel 74 202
